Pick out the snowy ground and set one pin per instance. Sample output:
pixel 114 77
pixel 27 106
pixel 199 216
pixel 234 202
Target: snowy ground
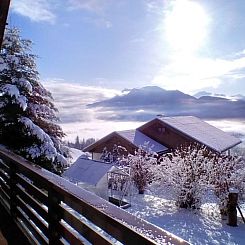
pixel 201 227
pixel 198 227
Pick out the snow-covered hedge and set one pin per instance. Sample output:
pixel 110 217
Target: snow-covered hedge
pixel 193 169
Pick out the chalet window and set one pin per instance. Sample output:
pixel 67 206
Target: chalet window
pixel 161 130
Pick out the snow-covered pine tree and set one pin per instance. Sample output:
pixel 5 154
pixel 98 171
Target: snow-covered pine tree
pixel 27 114
pixel 77 144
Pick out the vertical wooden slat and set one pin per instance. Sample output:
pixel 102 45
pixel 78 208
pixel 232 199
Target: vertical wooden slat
pixel 13 192
pixel 54 217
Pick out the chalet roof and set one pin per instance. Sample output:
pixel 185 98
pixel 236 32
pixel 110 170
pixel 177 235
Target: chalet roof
pixel 90 148
pixel 192 127
pixel 202 132
pixel 87 171
pixel 139 139
pixel 134 137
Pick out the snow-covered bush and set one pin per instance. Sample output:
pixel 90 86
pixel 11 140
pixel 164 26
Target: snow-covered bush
pixel 28 119
pixel 105 156
pixel 186 171
pixel 191 170
pixel 141 165
pixel 227 172
pixel 116 156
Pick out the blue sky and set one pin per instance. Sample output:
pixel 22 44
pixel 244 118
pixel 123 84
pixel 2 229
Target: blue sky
pixel 116 44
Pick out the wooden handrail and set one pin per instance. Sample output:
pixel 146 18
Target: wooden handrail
pixel 51 210
pixel 4 8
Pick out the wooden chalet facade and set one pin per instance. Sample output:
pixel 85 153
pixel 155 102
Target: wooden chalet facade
pixel 130 139
pixel 165 134
pixel 108 142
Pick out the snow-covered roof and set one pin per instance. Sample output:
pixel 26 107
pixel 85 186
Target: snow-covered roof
pixel 75 154
pixel 139 139
pixel 202 132
pixel 87 171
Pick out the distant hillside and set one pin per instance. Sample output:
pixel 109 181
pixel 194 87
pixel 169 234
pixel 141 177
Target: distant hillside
pixel 232 97
pixel 147 102
pixel 145 96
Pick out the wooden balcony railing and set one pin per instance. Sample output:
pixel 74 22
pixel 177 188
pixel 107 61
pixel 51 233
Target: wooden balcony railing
pixel 50 210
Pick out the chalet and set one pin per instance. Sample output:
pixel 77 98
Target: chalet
pixel 130 139
pixel 165 134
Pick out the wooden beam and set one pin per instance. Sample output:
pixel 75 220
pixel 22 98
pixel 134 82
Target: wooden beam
pixel 4 8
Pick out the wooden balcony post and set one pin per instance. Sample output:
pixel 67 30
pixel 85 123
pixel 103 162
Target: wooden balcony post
pixel 4 8
pixel 13 191
pixel 232 204
pixel 54 217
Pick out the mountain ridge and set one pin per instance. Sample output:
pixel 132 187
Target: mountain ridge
pixel 144 103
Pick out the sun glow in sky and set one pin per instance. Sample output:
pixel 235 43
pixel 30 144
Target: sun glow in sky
pixel 186 26
pixel 190 66
pixel 189 45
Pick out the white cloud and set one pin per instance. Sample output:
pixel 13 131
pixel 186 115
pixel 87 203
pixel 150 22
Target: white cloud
pixel 46 10
pixel 189 74
pixel 97 6
pixel 154 6
pixel 240 53
pixel 77 92
pixel 95 128
pixel 38 10
pixel 229 125
pixel 71 100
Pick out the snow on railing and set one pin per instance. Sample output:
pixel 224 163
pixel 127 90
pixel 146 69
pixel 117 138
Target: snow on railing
pixel 52 210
